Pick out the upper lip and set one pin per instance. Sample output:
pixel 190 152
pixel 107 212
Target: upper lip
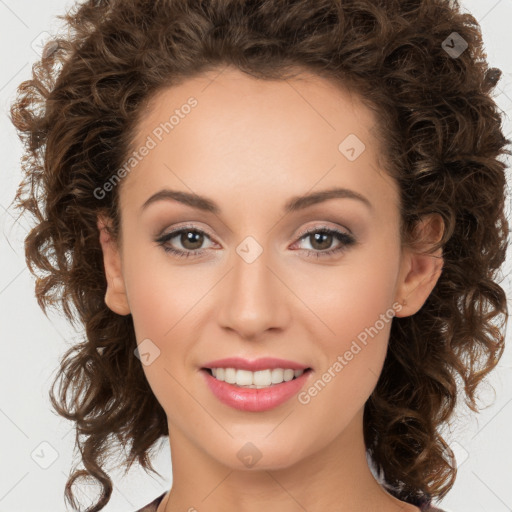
pixel 255 365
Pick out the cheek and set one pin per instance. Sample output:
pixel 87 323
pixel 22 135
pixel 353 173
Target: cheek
pixel 353 296
pixel 351 360
pixel 160 293
pixel 357 306
pixel 161 300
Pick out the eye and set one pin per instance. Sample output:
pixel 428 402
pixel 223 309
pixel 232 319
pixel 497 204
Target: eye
pixel 191 239
pixel 323 237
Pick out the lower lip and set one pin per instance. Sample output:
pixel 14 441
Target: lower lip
pixel 251 399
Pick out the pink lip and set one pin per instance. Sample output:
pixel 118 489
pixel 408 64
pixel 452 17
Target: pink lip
pixel 263 363
pixel 252 399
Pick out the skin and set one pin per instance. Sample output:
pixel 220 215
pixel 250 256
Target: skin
pixel 251 145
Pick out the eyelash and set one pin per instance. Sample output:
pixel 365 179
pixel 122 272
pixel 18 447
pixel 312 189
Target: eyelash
pixel 345 239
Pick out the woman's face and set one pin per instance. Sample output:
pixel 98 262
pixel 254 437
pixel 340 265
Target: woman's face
pixel 250 282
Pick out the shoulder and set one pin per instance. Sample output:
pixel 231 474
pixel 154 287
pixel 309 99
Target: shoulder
pixel 152 507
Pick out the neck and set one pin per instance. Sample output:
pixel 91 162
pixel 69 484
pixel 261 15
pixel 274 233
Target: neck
pixel 336 476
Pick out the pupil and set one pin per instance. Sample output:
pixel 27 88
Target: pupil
pixel 189 238
pixel 328 237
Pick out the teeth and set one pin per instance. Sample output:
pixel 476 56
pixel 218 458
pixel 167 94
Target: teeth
pixel 257 380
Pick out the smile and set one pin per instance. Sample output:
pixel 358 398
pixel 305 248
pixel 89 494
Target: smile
pixel 257 380
pixel 255 397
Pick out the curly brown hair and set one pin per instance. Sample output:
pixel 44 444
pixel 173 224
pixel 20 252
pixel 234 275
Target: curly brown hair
pixel 441 133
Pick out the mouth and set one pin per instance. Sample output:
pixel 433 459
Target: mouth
pixel 255 380
pixel 255 391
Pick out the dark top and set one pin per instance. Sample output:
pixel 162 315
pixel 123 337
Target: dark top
pixel 425 505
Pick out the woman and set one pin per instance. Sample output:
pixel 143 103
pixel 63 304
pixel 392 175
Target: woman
pixel 280 224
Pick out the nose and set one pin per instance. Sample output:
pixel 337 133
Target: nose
pixel 254 298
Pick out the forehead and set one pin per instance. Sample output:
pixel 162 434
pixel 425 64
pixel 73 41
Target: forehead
pixel 228 129
pixel 233 96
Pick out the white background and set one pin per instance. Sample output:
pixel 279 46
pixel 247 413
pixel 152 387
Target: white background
pixel 32 343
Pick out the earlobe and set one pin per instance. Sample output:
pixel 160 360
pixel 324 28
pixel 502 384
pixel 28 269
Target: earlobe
pixel 420 269
pixel 115 296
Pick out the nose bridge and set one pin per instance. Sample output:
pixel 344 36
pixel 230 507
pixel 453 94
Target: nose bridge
pixel 253 301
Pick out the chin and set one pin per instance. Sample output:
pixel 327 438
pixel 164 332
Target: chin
pixel 253 455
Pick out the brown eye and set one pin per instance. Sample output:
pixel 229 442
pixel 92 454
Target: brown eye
pixel 191 241
pixel 322 240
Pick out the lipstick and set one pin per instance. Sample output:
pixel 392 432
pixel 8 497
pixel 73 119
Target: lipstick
pixel 252 399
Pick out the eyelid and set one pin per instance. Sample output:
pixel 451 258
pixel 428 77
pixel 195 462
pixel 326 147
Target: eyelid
pixel 312 228
pixel 176 230
pixel 345 240
pixel 324 226
pixel 179 227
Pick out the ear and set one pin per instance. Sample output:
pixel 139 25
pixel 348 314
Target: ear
pixel 419 272
pixel 115 297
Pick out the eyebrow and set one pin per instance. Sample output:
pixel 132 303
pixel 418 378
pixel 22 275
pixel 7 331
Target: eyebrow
pixel 292 205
